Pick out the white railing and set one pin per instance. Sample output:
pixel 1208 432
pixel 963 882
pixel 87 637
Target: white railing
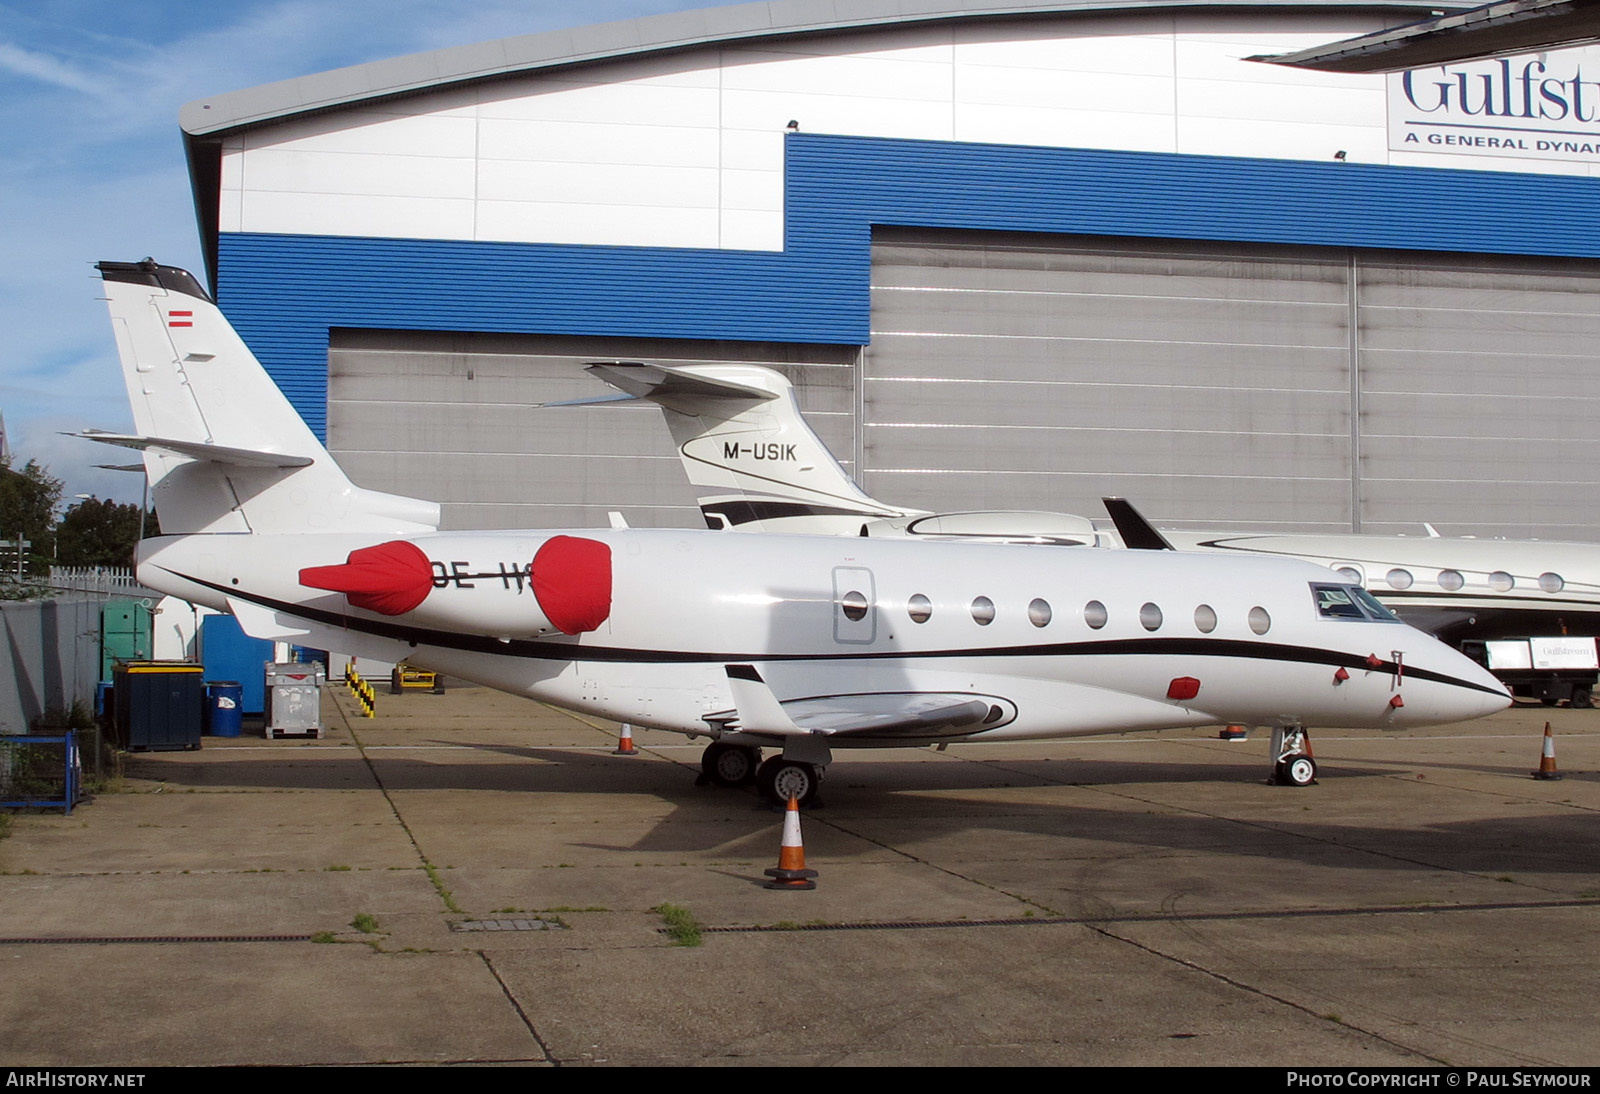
pixel 98 580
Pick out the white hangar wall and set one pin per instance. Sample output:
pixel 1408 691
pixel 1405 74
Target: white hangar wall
pixel 685 150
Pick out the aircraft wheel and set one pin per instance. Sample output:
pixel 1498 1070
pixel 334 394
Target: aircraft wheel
pixel 1297 771
pixel 1582 698
pixel 730 765
pixel 781 779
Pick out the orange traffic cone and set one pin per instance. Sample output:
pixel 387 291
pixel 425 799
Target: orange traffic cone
pixel 1547 757
pixel 791 872
pixel 1234 732
pixel 625 742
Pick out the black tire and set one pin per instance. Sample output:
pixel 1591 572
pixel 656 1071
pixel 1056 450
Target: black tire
pixel 779 778
pixel 1582 698
pixel 730 765
pixel 1298 771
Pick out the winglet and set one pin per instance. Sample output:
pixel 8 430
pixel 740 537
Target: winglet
pixel 759 709
pixel 1137 533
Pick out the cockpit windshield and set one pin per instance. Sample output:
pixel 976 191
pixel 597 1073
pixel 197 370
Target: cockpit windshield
pixel 1349 602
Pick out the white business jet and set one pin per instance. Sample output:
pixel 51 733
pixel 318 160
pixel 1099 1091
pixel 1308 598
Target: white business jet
pixel 742 438
pixel 796 644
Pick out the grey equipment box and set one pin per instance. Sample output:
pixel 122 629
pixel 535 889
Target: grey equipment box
pixel 294 699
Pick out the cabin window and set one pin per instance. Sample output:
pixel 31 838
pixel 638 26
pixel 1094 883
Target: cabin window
pixel 1205 619
pixel 1350 573
pixel 1551 583
pixel 1398 578
pixel 1502 582
pixel 854 606
pixel 1260 621
pixel 1039 613
pixel 1451 580
pixel 1375 608
pixel 1094 614
pixel 1336 602
pixel 1150 617
pixel 983 611
pixel 919 608
pixel 1349 602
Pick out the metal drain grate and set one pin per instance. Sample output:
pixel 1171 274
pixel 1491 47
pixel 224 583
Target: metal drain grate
pixel 507 925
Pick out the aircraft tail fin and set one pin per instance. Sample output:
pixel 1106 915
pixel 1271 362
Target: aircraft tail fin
pixel 1137 533
pixel 223 449
pixel 739 432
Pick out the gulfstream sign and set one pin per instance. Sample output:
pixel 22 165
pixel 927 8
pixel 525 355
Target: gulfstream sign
pixel 1543 106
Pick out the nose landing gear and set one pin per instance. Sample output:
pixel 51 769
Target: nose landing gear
pixel 1292 762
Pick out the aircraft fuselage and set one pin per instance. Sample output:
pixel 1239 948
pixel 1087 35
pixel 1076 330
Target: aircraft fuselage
pixel 1020 629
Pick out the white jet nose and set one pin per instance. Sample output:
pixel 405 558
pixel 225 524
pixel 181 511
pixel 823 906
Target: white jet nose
pixel 1450 688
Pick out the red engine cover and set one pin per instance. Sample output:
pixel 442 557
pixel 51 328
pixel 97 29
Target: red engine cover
pixel 572 582
pixel 391 578
pixel 1183 687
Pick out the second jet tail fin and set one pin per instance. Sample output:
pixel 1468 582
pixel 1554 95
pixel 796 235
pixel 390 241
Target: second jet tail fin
pixel 740 435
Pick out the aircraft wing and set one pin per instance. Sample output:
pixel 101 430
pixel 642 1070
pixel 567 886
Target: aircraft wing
pixel 916 714
pixel 888 714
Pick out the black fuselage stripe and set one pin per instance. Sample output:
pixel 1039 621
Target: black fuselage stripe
pixel 544 650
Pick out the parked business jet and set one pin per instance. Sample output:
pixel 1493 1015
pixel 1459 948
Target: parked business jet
pixel 797 644
pixel 740 432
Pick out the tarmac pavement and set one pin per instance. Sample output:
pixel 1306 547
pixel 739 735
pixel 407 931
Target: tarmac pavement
pixel 1137 899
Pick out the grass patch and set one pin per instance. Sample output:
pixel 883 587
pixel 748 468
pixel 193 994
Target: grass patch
pixel 365 923
pixel 681 925
pixel 444 894
pixel 323 936
pixel 334 869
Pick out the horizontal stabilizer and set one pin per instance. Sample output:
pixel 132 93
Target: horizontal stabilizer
pixel 642 381
pixel 198 450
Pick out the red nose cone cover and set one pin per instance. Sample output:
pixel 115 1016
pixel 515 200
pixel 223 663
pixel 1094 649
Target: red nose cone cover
pixel 391 578
pixel 572 582
pixel 1183 687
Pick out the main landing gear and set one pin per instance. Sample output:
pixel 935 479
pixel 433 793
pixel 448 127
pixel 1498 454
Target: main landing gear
pixel 1292 763
pixel 778 778
pixel 730 765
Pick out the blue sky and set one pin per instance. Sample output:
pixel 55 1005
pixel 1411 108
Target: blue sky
pixel 91 164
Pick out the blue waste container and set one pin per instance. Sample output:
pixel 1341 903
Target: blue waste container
pixel 225 707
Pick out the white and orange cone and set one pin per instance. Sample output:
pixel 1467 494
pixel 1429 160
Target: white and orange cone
pixel 625 742
pixel 1547 757
pixel 791 872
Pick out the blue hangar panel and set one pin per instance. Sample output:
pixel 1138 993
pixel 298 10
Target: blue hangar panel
pixel 285 292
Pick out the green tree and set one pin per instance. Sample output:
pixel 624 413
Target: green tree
pixel 100 533
pixel 28 499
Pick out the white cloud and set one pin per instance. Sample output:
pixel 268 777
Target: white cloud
pixel 40 66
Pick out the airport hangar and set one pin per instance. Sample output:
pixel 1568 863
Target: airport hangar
pixel 1014 255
